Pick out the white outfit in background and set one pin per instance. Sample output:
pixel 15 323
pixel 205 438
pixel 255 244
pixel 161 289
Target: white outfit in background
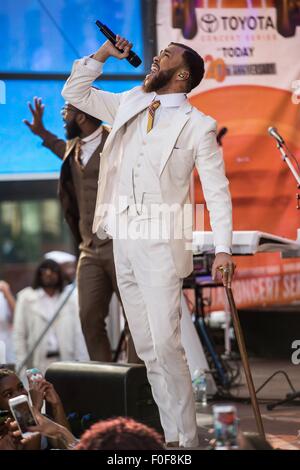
pixel 155 168
pixel 6 330
pixel 34 310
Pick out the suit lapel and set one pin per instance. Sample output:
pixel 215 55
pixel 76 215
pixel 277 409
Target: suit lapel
pixel 132 108
pixel 182 115
pixel 140 103
pixel 70 146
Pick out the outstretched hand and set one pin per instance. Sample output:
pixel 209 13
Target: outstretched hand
pixel 37 111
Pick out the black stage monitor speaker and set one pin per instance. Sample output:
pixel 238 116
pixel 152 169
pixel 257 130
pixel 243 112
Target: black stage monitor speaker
pixel 94 391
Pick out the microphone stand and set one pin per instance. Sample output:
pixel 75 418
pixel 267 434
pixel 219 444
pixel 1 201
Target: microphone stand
pixel 294 172
pixel 245 361
pixel 295 394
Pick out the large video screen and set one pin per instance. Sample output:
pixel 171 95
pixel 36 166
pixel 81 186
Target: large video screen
pixel 47 36
pixel 22 155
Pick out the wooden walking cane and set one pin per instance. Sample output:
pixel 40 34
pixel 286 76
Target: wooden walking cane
pixel 245 360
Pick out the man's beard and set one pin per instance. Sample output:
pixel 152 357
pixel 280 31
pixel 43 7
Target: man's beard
pixel 72 130
pixel 159 80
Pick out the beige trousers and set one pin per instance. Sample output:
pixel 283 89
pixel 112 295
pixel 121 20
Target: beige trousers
pixel 151 290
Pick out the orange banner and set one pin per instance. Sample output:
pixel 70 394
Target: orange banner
pixel 251 50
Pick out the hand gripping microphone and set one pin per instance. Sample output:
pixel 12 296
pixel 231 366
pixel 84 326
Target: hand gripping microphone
pixel 274 133
pixel 133 58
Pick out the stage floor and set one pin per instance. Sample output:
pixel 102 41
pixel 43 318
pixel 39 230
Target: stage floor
pixel 281 424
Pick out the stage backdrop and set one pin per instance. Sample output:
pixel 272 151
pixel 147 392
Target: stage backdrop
pixel 251 50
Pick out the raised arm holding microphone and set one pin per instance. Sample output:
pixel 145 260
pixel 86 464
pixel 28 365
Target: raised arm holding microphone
pixel 156 140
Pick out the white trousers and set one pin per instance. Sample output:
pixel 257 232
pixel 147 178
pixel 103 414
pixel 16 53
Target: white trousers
pixel 151 290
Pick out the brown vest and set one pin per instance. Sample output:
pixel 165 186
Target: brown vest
pixel 83 184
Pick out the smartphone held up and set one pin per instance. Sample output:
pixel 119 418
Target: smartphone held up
pixel 22 412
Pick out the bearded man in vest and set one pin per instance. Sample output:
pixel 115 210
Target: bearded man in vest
pixel 78 183
pixel 157 139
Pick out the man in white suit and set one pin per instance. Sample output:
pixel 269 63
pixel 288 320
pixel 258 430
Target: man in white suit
pixel 156 140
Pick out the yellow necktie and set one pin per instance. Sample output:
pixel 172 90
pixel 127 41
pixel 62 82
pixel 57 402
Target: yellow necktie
pixel 78 152
pixel 151 111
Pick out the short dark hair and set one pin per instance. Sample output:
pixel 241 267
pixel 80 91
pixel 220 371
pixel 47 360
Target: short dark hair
pixel 53 266
pixel 120 434
pixel 195 64
pixel 95 120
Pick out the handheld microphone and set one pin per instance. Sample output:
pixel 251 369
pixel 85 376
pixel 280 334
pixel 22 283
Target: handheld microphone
pixel 133 58
pixel 274 133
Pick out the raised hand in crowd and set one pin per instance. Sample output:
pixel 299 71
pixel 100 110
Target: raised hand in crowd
pixel 44 390
pixel 8 441
pixel 51 429
pixel 13 439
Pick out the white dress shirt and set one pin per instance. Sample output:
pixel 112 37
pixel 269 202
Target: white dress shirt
pixel 89 145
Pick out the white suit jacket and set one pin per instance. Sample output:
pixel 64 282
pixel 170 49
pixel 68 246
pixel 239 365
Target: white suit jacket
pixel 191 141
